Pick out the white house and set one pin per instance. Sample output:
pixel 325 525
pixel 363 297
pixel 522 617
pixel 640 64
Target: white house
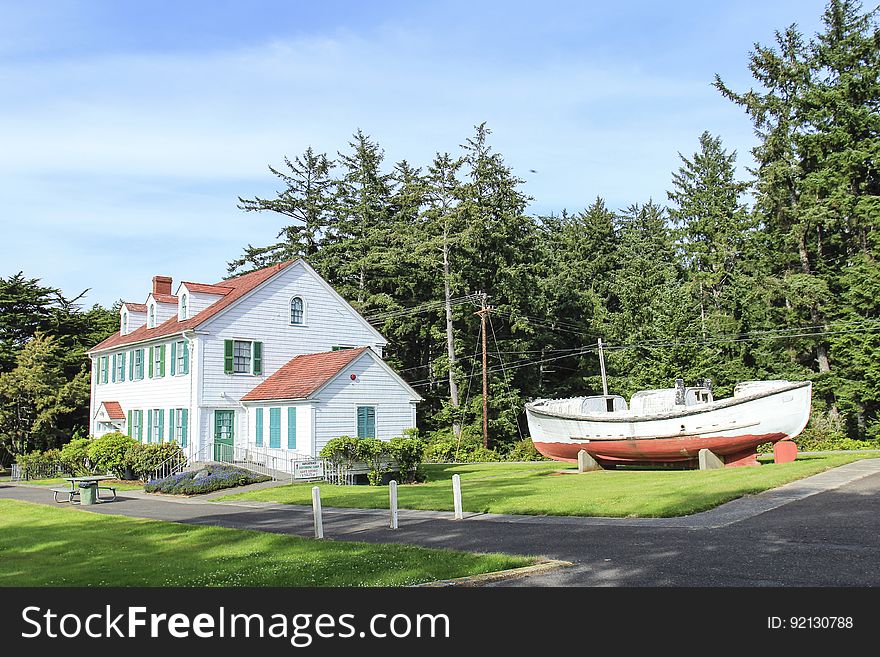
pixel 274 359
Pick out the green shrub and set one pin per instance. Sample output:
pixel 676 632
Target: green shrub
pixel 341 451
pixel 143 459
pixel 75 457
pixel 37 464
pixel 443 447
pixel 525 450
pixel 109 453
pixel 373 452
pixel 408 451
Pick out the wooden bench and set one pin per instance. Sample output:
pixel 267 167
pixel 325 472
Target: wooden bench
pixel 69 492
pixel 110 488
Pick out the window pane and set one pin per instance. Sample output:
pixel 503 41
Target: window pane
pixel 296 310
pixel 242 357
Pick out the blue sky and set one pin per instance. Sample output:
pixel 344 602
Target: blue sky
pixel 129 129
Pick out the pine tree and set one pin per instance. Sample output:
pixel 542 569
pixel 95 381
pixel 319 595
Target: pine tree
pixel 307 199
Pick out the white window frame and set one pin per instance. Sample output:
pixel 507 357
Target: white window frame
pixel 178 424
pixel 155 428
pixel 120 367
pixel 124 327
pixel 157 361
pixel 305 313
pixel 151 316
pixel 184 302
pixel 250 371
pixel 138 372
pixel 178 358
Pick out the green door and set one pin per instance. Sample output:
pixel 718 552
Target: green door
pixel 224 435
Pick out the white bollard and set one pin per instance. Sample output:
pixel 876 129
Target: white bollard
pixel 392 493
pixel 316 509
pixel 456 496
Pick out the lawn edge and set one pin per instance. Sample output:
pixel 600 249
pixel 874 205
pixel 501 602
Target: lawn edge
pixel 541 566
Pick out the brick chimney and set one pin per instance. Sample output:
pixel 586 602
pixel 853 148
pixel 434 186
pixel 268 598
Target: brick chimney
pixel 161 285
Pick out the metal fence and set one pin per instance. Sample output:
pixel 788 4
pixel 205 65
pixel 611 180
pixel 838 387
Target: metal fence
pixel 44 471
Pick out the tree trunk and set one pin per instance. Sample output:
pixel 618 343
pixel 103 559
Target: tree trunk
pixel 450 339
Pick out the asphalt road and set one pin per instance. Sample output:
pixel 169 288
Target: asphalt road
pixel 816 532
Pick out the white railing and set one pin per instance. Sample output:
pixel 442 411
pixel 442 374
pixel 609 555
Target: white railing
pixel 263 461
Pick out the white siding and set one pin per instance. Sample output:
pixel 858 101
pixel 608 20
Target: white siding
pixel 336 407
pixel 303 428
pixel 166 392
pixel 164 311
pixel 265 316
pixel 135 320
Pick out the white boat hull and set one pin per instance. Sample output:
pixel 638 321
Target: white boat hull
pixel 732 428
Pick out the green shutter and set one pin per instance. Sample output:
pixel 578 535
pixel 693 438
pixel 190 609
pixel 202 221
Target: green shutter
pixel 140 416
pixel 162 360
pixel 161 436
pixel 129 423
pixel 173 357
pixel 274 427
pixel 122 373
pixel 150 425
pixel 171 415
pixel 259 430
pixel 228 360
pixel 150 366
pixel 113 373
pixel 366 422
pixel 184 422
pixel 291 427
pixel 258 357
pixel 131 366
pixel 185 357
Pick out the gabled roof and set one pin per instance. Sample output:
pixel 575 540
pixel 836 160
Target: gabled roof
pixel 304 375
pixel 204 288
pixel 114 410
pixel 240 286
pixel 135 307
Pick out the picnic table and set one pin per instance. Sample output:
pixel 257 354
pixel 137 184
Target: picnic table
pixel 74 484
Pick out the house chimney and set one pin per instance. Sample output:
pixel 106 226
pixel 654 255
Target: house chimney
pixel 161 285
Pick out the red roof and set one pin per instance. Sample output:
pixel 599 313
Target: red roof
pixel 240 286
pixel 114 410
pixel 301 376
pixel 165 298
pixel 204 288
pixel 135 307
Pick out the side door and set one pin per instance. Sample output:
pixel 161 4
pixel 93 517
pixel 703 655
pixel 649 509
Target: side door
pixel 224 435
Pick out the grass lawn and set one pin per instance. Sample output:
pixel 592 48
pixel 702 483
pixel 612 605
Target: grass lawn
pixel 47 546
pixel 57 482
pixel 538 488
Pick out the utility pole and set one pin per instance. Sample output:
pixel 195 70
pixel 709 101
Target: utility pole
pixel 485 310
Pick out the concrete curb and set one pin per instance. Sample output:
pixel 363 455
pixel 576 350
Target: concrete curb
pixel 541 567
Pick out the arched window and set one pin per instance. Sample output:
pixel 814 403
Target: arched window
pixel 183 307
pixel 124 323
pixel 297 311
pixel 151 323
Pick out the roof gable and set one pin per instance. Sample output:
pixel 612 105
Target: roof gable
pixel 302 376
pixel 239 287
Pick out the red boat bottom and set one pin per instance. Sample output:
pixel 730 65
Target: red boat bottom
pixel 735 450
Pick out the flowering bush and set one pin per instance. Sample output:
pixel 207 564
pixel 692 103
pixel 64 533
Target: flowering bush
pixel 205 480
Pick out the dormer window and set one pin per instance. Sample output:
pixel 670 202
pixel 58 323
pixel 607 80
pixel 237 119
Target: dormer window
pixel 151 318
pixel 124 328
pixel 182 313
pixel 297 311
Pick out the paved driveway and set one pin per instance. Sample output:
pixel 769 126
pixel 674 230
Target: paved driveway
pixel 821 531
